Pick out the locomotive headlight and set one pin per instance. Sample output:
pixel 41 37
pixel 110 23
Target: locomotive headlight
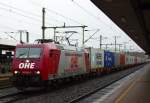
pixel 16 72
pixel 37 72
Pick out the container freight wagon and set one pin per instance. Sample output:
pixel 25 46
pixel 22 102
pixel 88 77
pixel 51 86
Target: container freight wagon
pixel 138 60
pixel 122 60
pixel 109 60
pixel 143 60
pixel 127 59
pixel 132 60
pixel 73 61
pixel 117 60
pixel 135 60
pixel 96 57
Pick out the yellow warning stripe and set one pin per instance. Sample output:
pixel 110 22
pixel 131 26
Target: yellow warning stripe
pixel 5 75
pixel 124 94
pixel 1 79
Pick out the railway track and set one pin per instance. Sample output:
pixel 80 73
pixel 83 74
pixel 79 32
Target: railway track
pixel 81 97
pixel 19 95
pixel 5 81
pixel 63 94
pixel 9 97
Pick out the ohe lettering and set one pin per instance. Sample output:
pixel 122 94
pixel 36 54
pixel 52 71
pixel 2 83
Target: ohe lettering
pixel 26 65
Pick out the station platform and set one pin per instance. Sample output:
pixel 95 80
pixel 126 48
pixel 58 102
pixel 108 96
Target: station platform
pixel 5 75
pixel 134 88
pixel 137 90
pixel 5 80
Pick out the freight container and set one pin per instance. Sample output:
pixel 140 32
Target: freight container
pixel 122 59
pixel 135 60
pixel 138 60
pixel 109 59
pixel 96 58
pixel 131 59
pixel 127 59
pixel 143 59
pixel 117 59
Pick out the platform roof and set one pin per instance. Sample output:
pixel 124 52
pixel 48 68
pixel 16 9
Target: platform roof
pixel 6 44
pixel 132 16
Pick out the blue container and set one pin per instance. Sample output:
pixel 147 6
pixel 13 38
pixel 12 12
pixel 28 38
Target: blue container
pixel 109 59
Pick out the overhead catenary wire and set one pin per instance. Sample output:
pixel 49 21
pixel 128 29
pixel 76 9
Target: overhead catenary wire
pixel 6 27
pixel 27 12
pixel 99 19
pixel 23 12
pixel 5 9
pixel 56 13
pixel 20 14
pixel 85 10
pixel 91 14
pixel 11 29
pixel 68 18
pixel 29 15
pixel 19 21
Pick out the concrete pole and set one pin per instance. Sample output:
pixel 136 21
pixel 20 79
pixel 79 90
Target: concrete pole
pixel 83 36
pixel 100 42
pixel 120 46
pixel 125 46
pixel 43 23
pixel 20 36
pixel 54 34
pixel 106 46
pixel 27 38
pixel 115 44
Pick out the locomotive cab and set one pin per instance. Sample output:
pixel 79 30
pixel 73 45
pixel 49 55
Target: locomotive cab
pixel 27 65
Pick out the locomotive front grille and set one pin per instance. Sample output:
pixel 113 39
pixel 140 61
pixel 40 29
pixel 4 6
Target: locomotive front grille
pixel 27 80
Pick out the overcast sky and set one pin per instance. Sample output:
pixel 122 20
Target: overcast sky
pixel 27 15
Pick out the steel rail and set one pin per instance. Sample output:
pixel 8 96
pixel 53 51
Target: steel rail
pixel 88 94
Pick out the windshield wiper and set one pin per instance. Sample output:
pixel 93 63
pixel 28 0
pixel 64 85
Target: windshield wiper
pixel 21 55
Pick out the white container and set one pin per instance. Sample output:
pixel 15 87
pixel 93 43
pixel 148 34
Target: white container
pixel 96 58
pixel 117 59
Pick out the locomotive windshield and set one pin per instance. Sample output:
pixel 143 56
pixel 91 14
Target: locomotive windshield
pixel 28 52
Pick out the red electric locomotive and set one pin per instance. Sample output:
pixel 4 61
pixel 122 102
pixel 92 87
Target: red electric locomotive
pixel 37 64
